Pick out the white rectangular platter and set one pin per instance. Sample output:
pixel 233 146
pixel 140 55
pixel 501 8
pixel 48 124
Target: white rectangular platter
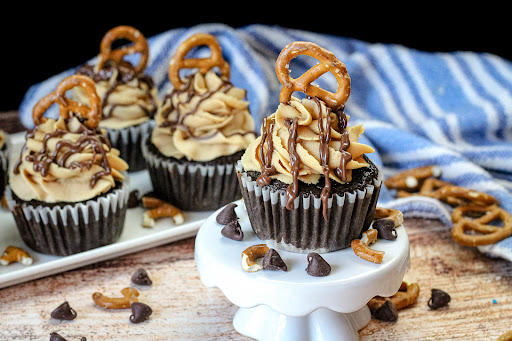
pixel 134 237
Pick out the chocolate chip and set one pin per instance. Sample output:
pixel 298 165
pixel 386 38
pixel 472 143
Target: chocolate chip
pixel 140 277
pixel 227 214
pixel 438 299
pixel 56 337
pixel 140 312
pixel 233 230
pixel 134 199
pixel 64 312
pixel 273 261
pixel 385 228
pixel 317 266
pixel 83 338
pixel 386 312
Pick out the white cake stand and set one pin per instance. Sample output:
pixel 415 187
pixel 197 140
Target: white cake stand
pixel 292 305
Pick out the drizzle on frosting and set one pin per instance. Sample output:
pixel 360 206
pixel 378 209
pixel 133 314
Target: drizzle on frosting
pixel 128 99
pixel 305 140
pixel 64 161
pixel 209 118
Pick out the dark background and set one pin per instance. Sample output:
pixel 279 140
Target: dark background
pixel 42 42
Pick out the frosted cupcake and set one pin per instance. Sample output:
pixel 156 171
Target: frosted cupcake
pixel 4 159
pixel 129 97
pixel 67 190
pixel 202 130
pixel 306 181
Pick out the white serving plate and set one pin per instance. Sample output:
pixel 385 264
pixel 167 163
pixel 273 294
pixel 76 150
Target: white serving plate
pixel 134 237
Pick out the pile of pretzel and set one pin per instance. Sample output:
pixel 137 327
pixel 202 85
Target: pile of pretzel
pixel 473 211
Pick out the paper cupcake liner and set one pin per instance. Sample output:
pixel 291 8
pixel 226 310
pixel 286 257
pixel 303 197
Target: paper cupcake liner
pixel 128 141
pixel 69 229
pixel 303 229
pixel 192 186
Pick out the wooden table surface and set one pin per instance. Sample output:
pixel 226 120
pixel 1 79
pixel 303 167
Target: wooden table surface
pixel 184 309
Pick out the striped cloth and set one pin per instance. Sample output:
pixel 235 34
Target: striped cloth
pixel 449 109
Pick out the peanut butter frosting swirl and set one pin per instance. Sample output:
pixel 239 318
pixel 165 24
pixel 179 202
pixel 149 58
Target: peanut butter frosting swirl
pixel 64 161
pixel 206 119
pixel 128 99
pixel 313 127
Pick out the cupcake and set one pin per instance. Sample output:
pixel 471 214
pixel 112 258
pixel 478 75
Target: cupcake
pixel 67 190
pixel 4 159
pixel 201 131
pixel 128 96
pixel 307 183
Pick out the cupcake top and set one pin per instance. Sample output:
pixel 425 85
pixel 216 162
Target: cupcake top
pixel 305 140
pixel 128 96
pixel 68 159
pixel 204 116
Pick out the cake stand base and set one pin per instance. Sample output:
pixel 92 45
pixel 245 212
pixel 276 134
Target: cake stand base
pixel 264 323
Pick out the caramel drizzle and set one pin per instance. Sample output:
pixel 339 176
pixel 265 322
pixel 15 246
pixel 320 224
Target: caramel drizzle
pixel 42 160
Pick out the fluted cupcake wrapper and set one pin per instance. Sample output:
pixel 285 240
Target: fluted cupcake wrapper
pixel 192 186
pixel 128 141
pixel 303 229
pixel 73 228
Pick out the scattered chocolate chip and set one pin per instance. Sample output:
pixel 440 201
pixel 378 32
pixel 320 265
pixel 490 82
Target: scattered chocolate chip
pixel 317 266
pixel 438 299
pixel 273 261
pixel 140 277
pixel 385 228
pixel 64 312
pixel 227 214
pixel 233 230
pixel 386 312
pixel 83 338
pixel 140 312
pixel 56 337
pixel 134 199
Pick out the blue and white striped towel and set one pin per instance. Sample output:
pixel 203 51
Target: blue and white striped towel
pixel 449 109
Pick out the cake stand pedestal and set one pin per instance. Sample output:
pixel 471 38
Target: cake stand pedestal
pixel 292 305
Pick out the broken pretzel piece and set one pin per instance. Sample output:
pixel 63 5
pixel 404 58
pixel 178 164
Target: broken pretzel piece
pixel 130 295
pixel 249 256
pixel 405 297
pixel 15 254
pixel 362 250
pixel 160 209
pixel 389 213
pixel 412 179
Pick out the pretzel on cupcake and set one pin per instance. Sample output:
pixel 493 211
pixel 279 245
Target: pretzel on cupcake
pixel 91 114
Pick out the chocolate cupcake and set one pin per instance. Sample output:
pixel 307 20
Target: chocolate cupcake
pixel 202 130
pixel 4 162
pixel 67 191
pixel 129 97
pixel 306 181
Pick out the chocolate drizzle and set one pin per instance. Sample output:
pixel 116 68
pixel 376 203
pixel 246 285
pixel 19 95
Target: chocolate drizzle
pixel 267 170
pixel 178 119
pixel 124 72
pixel 42 160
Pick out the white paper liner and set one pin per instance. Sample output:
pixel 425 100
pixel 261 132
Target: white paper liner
pixel 72 228
pixel 304 229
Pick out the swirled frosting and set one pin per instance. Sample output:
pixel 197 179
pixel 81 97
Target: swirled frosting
pixel 208 119
pixel 64 161
pixel 128 99
pixel 312 119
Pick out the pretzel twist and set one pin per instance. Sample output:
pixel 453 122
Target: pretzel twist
pixel 140 45
pixel 92 112
pixel 328 63
pixel 488 234
pixel 178 61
